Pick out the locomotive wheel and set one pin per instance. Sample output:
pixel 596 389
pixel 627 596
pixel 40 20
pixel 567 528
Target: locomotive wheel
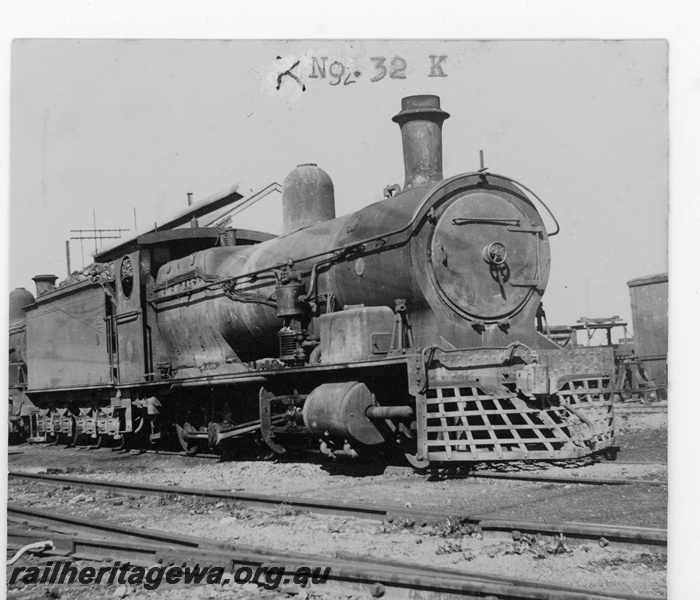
pixel 157 428
pixel 141 430
pixel 73 437
pixel 229 450
pixel 137 438
pixel 123 444
pixel 65 439
pixel 418 465
pixel 182 435
pixel 408 446
pixel 611 453
pixel 212 431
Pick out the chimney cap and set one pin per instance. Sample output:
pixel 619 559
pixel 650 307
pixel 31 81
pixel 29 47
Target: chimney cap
pixel 425 104
pixel 46 277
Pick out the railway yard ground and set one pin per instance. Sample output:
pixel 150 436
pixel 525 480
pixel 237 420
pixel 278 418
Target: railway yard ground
pixel 577 492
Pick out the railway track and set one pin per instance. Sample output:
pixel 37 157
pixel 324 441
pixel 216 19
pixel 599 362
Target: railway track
pixel 642 408
pixel 565 480
pixel 218 457
pixel 104 541
pixel 625 534
pixel 512 475
pixel 654 463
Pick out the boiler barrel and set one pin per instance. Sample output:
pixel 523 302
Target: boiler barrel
pixel 245 312
pixel 375 279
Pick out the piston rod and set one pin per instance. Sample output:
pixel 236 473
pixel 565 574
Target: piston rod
pixel 390 412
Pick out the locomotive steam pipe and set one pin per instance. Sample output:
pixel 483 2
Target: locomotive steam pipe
pixel 421 121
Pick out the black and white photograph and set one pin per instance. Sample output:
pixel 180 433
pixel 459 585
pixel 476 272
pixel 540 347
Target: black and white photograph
pixel 339 318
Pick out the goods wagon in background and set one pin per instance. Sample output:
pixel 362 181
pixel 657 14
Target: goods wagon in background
pixel 649 299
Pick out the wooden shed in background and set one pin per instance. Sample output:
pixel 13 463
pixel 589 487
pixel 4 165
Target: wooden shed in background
pixel 649 298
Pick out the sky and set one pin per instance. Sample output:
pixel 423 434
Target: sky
pixel 107 132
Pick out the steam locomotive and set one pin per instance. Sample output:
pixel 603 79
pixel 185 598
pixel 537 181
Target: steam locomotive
pixel 405 329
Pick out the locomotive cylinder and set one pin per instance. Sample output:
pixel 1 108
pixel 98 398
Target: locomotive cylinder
pixel 337 410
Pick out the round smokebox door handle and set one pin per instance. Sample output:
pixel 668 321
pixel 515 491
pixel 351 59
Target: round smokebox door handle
pixel 495 253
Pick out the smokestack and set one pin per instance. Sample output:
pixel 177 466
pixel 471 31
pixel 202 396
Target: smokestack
pixel 44 283
pixel 421 120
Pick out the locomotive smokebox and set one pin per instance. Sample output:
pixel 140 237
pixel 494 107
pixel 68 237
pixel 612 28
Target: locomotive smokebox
pixel 44 283
pixel 307 198
pixel 421 121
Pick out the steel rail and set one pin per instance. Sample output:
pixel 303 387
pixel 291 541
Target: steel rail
pixel 594 481
pixel 180 453
pixel 536 478
pixel 654 463
pixel 617 533
pixel 559 479
pixel 209 456
pixel 173 549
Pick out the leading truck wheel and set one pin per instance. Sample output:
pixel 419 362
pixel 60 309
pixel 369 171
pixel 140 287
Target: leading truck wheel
pixel 228 448
pixel 405 437
pixel 418 464
pixel 182 437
